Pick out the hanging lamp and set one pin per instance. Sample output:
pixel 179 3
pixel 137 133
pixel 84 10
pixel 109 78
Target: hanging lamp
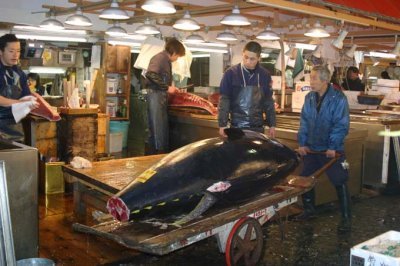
pixel 52 23
pixel 116 30
pixel 268 34
pixel 186 23
pixel 114 12
pixel 226 36
pixel 317 31
pixel 147 28
pixel 159 7
pixel 78 19
pixel 235 19
pixel 194 38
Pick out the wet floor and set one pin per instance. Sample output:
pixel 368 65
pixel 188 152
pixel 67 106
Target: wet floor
pixel 315 242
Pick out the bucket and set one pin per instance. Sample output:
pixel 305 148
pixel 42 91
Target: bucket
pixel 111 109
pixel 112 85
pixel 35 262
pixel 123 127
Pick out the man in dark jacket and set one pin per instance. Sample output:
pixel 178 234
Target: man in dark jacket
pixel 352 81
pixel 324 124
pixel 13 86
pixel 246 94
pixel 158 84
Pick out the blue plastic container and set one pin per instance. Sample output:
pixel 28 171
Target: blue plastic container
pixel 123 127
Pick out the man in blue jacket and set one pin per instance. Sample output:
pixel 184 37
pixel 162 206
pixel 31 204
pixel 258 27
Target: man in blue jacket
pixel 246 94
pixel 324 125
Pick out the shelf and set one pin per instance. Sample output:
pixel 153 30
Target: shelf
pixel 116 95
pixel 119 118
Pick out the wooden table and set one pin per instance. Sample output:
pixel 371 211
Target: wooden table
pixel 95 185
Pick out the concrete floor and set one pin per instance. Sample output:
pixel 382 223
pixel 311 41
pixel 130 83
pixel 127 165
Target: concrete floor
pixel 316 242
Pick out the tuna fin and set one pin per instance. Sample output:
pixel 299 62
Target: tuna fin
pixel 205 203
pixel 234 133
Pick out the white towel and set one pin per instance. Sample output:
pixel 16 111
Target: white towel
pixel 23 108
pixel 150 48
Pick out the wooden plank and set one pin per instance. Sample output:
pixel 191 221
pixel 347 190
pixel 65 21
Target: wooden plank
pixel 113 175
pixel 77 111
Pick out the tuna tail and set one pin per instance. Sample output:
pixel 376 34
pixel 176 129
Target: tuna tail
pixel 205 203
pixel 234 133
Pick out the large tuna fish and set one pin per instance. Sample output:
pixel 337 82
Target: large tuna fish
pixel 194 177
pixel 183 99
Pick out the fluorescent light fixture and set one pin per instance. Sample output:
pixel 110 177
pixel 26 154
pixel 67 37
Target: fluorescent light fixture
pixel 382 55
pixel 52 23
pixel 338 43
pixel 118 42
pixel 186 23
pixel 214 44
pixel 34 28
pixel 116 30
pixel 159 7
pixel 305 46
pixel 226 36
pixel 200 55
pixel 137 37
pixel 147 28
pixel 317 31
pixel 194 38
pixel 204 49
pixel 136 51
pixel 268 34
pixel 78 19
pixel 50 38
pixel 264 55
pixel 47 70
pixel 235 19
pixel 114 12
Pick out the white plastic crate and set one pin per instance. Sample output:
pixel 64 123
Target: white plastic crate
pixel 360 255
pixel 115 143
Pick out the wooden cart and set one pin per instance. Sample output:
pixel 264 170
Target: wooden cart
pixel 237 229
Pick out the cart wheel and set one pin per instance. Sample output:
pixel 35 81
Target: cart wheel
pixel 245 243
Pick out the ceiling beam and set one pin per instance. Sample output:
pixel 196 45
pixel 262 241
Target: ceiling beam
pixel 322 12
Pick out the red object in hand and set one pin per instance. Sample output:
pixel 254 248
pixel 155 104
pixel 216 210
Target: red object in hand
pixel 44 110
pixel 183 99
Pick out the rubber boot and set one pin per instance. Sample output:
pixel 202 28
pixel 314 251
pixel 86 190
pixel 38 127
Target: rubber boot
pixel 308 206
pixel 344 203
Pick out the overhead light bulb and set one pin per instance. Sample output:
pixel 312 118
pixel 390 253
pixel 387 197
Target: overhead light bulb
pixel 116 30
pixel 235 19
pixel 317 31
pixel 52 23
pixel 226 36
pixel 159 7
pixel 268 34
pixel 114 12
pixel 338 43
pixel 78 19
pixel 147 28
pixel 186 23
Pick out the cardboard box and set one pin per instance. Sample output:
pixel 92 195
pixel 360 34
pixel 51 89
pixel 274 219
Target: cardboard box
pixel 298 100
pixel 115 143
pixel 362 254
pixel 53 178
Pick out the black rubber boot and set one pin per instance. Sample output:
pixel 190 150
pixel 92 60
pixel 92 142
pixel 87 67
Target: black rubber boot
pixel 344 203
pixel 308 206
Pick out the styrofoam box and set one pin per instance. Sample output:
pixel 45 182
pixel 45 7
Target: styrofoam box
pixel 382 89
pixel 298 100
pixel 388 82
pixel 115 143
pixel 360 256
